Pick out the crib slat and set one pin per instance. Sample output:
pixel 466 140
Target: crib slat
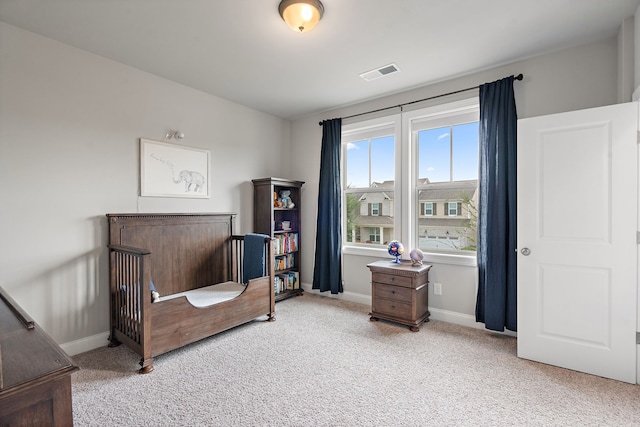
pixel 126 292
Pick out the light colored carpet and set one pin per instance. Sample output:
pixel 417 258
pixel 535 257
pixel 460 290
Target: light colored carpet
pixel 323 363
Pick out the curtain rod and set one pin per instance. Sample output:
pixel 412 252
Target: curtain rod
pixel 518 77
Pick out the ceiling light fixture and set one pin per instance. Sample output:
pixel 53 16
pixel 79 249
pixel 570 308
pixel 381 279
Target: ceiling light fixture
pixel 301 15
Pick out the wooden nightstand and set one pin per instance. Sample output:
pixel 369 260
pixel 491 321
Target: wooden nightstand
pixel 400 293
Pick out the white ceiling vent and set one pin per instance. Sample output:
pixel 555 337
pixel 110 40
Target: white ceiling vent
pixel 380 72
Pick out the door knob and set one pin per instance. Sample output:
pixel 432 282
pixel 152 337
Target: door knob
pixel 525 251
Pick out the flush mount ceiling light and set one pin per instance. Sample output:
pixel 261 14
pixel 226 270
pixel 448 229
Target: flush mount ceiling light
pixel 301 15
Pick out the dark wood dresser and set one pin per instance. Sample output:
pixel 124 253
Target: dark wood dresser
pixel 35 373
pixel 400 292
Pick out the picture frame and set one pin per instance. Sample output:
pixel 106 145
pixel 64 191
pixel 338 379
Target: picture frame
pixel 170 170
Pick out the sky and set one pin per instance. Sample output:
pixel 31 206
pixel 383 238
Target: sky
pixel 436 150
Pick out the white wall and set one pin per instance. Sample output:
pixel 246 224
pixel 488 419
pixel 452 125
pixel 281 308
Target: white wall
pixel 636 58
pixel 70 124
pixel 571 79
pixel 626 60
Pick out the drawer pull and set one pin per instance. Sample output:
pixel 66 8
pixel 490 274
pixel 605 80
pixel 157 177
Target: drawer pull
pixel 393 292
pixel 393 278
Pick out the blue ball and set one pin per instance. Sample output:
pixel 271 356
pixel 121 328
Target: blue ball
pixel 395 248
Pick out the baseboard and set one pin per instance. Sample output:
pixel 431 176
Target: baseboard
pixel 436 313
pixel 85 344
pixel 454 317
pixel 638 363
pixel 462 320
pixel 347 296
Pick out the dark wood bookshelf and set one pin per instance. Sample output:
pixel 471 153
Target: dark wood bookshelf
pixel 268 219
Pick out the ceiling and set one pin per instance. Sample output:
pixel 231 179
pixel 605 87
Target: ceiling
pixel 241 50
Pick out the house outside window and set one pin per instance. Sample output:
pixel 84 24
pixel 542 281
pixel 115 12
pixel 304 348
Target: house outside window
pixel 375 209
pixel 374 235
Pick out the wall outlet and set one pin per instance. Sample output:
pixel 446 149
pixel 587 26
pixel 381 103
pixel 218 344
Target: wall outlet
pixel 437 288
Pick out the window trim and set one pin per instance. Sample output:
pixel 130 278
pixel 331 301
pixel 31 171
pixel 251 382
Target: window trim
pixel 372 128
pixel 424 211
pixel 465 111
pixel 449 210
pixel 405 202
pixel 465 260
pixel 377 234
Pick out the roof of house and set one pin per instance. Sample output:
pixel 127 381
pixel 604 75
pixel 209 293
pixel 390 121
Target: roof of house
pixel 365 221
pixel 448 190
pixel 443 191
pixel 388 195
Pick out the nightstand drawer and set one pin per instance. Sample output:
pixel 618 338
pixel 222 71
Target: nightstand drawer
pixel 395 293
pixel 390 279
pixel 392 308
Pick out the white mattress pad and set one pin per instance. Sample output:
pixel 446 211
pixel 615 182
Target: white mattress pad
pixel 209 295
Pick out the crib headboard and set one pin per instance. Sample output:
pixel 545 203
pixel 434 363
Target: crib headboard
pixel 188 250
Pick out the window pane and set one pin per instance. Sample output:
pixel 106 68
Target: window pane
pixel 434 154
pixel 358 164
pixel 382 159
pixel 465 152
pixel 353 215
pixel 448 158
pixel 370 168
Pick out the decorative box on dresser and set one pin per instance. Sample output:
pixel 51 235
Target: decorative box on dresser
pixel 400 292
pixel 35 373
pixel 283 224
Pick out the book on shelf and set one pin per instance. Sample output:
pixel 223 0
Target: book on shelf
pixel 285 243
pixel 284 262
pixel 286 282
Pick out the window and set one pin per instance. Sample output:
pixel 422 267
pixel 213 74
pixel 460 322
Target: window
pixel 428 209
pixel 446 158
pixel 369 186
pixel 453 208
pixel 419 187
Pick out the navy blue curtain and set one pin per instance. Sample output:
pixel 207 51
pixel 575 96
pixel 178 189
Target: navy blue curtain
pixel 496 304
pixel 327 272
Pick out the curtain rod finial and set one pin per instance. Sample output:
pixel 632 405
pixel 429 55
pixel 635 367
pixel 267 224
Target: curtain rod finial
pixel 519 77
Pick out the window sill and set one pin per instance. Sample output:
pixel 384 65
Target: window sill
pixel 429 257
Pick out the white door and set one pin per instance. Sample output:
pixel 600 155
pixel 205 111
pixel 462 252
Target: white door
pixel 577 240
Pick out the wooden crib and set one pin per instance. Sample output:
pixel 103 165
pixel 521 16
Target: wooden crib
pixel 161 255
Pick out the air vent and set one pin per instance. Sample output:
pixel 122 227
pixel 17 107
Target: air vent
pixel 380 72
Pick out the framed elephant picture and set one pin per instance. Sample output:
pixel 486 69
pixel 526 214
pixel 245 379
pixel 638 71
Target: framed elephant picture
pixel 170 170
